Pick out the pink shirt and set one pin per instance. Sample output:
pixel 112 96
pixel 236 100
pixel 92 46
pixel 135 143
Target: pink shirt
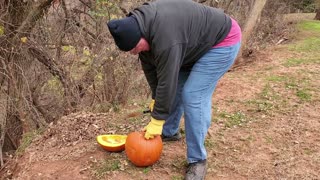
pixel 233 37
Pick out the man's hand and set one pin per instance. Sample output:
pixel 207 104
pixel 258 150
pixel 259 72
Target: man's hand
pixel 151 105
pixel 153 128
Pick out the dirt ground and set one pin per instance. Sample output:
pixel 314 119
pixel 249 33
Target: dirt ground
pixel 265 125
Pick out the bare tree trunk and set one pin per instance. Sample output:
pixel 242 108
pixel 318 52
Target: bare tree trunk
pixel 317 4
pixel 317 14
pixel 251 23
pixel 3 107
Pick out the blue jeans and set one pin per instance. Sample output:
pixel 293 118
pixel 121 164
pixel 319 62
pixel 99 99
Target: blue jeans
pixel 193 98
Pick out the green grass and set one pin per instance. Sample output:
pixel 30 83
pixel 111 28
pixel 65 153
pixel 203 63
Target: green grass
pixel 310 44
pixel 313 26
pixel 269 139
pixel 1 30
pixel 310 38
pixel 249 138
pixel 146 170
pixel 107 166
pixel 27 139
pixel 285 89
pixel 269 68
pixel 276 78
pixel 291 85
pixel 233 119
pixel 309 151
pixel 177 177
pixel 276 94
pixel 261 105
pixel 300 81
pixel 297 83
pixel 304 95
pixel 268 93
pixel 209 144
pixel 296 62
pixel 179 162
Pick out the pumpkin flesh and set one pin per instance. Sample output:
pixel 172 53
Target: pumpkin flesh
pixel 112 143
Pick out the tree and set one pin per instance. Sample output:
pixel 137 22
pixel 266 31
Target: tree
pixel 317 3
pixel 55 59
pixel 251 23
pixel 19 19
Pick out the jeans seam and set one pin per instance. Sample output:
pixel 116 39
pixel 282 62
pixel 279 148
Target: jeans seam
pixel 201 117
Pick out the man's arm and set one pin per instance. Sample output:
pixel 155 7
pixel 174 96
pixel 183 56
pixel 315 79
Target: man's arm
pixel 150 73
pixel 168 66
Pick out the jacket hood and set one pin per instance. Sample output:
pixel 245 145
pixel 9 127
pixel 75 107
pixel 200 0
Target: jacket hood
pixel 145 16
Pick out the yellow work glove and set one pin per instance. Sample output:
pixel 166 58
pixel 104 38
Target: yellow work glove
pixel 151 105
pixel 153 128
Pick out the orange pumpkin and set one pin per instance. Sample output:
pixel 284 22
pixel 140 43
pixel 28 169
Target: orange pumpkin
pixel 143 152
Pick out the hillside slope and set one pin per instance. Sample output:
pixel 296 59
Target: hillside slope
pixel 266 125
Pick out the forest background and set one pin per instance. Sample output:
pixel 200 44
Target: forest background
pixel 57 58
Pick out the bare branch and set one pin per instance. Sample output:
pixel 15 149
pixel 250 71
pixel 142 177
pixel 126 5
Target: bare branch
pixel 202 1
pixel 88 4
pixel 33 16
pixel 70 92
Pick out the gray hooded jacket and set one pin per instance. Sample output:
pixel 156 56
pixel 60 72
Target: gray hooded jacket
pixel 179 33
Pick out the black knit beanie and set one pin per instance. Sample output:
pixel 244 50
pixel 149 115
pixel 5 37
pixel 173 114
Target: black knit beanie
pixel 126 32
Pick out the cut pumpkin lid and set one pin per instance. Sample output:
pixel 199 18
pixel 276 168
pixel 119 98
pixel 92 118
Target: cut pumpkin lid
pixel 111 140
